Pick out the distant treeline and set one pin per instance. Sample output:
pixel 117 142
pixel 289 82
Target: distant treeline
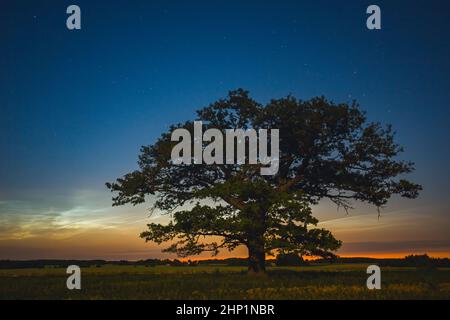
pixel 50 263
pixel 285 260
pixel 408 261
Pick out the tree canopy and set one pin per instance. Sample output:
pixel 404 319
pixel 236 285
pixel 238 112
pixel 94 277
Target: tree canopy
pixel 327 150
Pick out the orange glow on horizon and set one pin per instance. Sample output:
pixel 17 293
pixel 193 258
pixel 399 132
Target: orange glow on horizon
pixel 396 255
pixel 362 255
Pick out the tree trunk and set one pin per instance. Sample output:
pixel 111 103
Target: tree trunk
pixel 256 258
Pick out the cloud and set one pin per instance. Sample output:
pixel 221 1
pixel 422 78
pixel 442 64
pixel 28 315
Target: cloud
pixel 422 246
pixel 83 224
pixel 398 232
pixel 83 210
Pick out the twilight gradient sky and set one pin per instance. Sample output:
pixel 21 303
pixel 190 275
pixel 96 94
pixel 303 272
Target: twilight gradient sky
pixel 75 106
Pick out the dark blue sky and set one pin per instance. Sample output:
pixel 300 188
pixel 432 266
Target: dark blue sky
pixel 77 105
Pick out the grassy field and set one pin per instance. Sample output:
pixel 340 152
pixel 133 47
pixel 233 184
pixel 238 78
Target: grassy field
pixel 224 282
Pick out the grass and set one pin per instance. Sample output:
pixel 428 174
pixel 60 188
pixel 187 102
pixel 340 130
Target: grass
pixel 346 281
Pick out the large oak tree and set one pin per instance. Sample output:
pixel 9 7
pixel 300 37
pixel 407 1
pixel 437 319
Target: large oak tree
pixel 327 150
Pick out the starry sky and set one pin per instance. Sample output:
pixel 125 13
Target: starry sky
pixel 75 107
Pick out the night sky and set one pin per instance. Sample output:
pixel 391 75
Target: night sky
pixel 75 107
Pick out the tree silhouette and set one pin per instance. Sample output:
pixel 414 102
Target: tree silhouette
pixel 327 150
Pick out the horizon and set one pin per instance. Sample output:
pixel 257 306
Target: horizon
pixel 269 258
